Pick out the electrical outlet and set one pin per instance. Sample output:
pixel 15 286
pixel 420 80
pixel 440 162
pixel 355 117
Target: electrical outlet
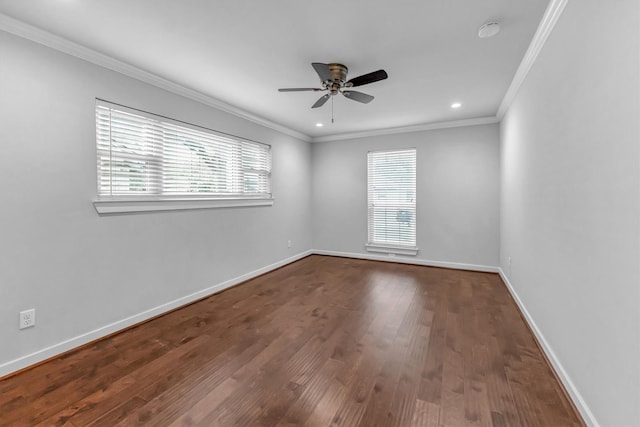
pixel 288 243
pixel 27 318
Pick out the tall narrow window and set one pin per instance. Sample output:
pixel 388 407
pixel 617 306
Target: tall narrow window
pixel 144 157
pixel 392 201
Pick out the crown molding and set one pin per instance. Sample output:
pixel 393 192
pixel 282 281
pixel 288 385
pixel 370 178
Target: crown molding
pixel 552 14
pixel 548 22
pixel 407 129
pixel 37 35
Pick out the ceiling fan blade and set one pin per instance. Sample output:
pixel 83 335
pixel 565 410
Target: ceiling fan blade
pixel 320 102
pixel 367 78
pixel 299 89
pixel 358 96
pixel 323 71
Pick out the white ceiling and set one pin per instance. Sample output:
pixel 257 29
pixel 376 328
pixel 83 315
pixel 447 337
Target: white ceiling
pixel 241 52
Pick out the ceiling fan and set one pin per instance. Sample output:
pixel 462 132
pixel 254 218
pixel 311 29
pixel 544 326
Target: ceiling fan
pixel 334 80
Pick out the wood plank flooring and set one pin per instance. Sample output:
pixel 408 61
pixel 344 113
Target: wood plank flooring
pixel 324 341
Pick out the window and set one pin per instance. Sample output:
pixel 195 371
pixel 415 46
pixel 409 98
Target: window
pixel 146 161
pixel 391 177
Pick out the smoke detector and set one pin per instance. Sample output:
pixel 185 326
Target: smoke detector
pixel 489 29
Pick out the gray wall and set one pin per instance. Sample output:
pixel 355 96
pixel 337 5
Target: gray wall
pixel 81 271
pixel 570 202
pixel 457 200
pixel 558 194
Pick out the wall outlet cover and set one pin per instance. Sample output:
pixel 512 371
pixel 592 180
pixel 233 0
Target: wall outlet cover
pixel 27 318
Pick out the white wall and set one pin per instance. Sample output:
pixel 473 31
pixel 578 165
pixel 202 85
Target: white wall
pixel 570 190
pixel 457 200
pixel 82 271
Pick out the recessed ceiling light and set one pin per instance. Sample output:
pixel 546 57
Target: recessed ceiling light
pixel 489 29
pixel 319 125
pixel 456 105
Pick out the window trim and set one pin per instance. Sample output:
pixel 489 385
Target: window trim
pixel 391 249
pixel 116 206
pixel 109 204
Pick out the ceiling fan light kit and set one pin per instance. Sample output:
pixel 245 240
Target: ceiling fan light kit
pixel 333 78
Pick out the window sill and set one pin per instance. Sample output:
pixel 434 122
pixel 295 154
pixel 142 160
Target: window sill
pixel 107 207
pixel 396 250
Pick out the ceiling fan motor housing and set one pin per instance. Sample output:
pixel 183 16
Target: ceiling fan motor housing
pixel 338 72
pixel 338 76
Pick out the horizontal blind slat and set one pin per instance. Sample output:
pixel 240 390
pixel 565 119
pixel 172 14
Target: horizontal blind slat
pixel 391 195
pixel 143 155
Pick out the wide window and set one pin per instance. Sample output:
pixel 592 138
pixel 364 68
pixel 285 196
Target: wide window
pixel 392 201
pixel 147 158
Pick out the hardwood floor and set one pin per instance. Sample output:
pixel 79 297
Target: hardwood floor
pixel 323 341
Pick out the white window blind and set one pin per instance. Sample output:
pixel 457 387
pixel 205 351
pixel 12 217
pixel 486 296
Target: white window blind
pixel 392 198
pixel 144 156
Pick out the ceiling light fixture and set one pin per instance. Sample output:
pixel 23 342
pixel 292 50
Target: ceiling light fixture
pixel 489 29
pixel 319 125
pixel 456 105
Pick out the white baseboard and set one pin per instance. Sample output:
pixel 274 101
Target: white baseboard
pixel 578 401
pixel 409 260
pixel 59 348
